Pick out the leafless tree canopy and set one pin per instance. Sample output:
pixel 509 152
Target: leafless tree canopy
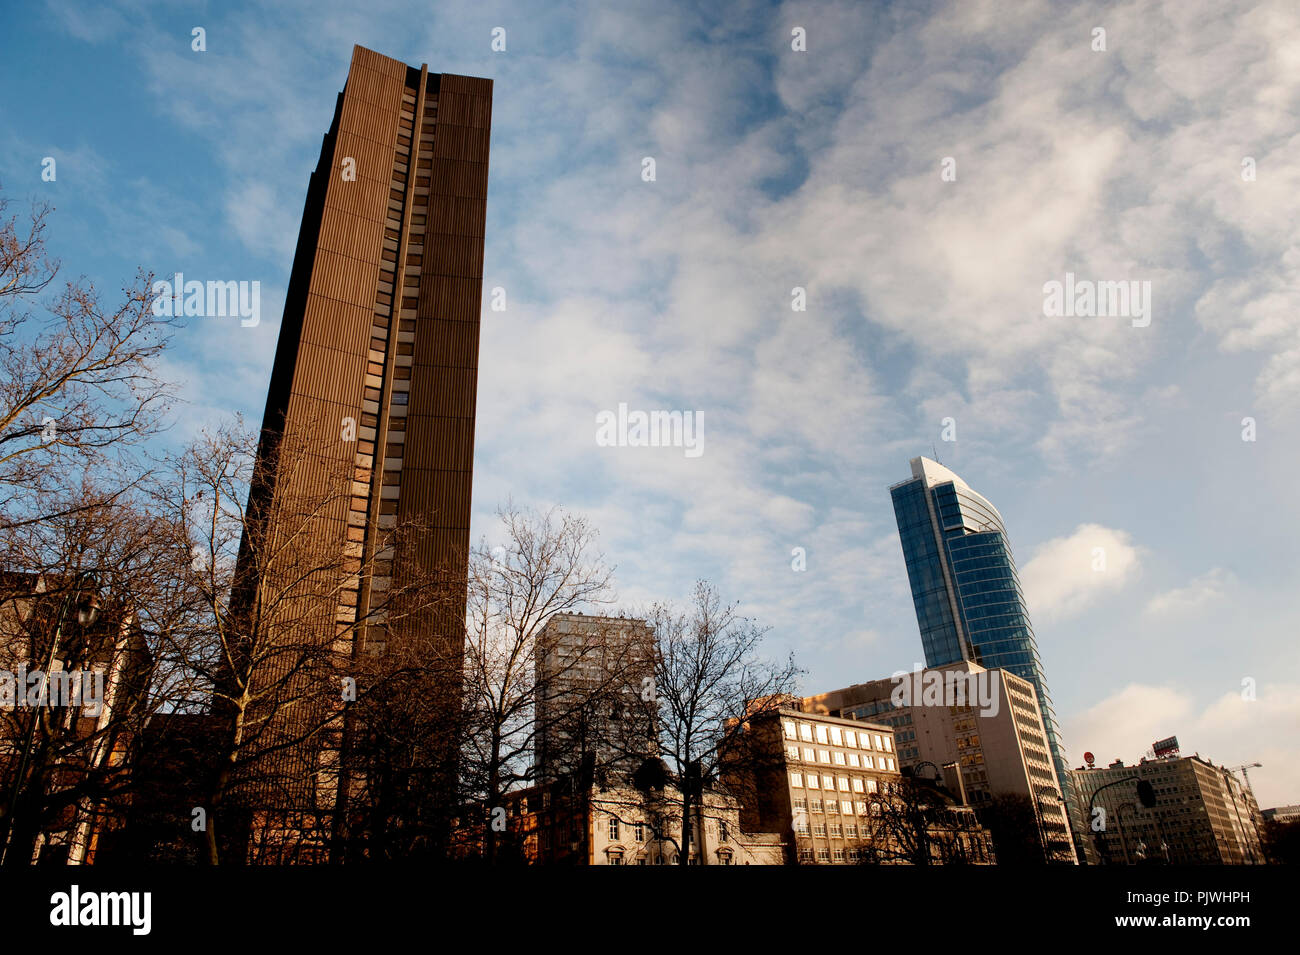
pixel 709 683
pixel 78 388
pixel 546 564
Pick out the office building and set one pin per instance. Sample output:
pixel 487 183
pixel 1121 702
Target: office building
pixel 595 701
pixel 991 734
pixel 824 785
pixel 966 593
pixel 1203 814
pixel 375 376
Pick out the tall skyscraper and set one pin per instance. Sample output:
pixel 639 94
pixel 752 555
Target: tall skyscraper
pixel 376 368
pixel 591 676
pixel 967 595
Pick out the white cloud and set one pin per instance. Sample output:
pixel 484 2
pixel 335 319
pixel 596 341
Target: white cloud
pixel 1208 588
pixel 1228 730
pixel 1067 574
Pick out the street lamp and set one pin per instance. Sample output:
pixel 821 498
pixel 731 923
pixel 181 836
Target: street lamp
pixel 1146 795
pixel 87 614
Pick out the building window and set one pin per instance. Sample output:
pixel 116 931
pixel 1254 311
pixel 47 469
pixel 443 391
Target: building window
pixel 805 855
pixel 816 805
pixel 796 780
pixel 828 782
pixel 868 763
pixel 854 760
pixel 880 742
pixel 821 734
pixel 792 752
pixel 850 739
pixel 819 829
pixel 812 781
pixel 889 746
pixel 613 830
pixel 823 855
pixel 851 830
pixel 616 857
pixel 805 732
pixel 843 783
pixel 722 832
pixel 788 726
pixel 838 855
pixel 808 754
pixel 801 804
pixel 836 736
pixel 839 758
pixel 857 786
pixel 639 830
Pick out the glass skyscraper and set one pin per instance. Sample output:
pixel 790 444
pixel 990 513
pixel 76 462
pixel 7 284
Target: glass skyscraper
pixel 968 600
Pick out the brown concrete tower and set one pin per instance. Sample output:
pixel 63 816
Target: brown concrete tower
pixel 376 368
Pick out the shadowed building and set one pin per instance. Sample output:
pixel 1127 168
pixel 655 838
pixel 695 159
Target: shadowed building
pixel 376 369
pixel 1203 814
pixel 591 675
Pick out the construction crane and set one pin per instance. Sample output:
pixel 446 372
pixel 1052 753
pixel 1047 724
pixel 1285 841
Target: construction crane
pixel 1249 848
pixel 1245 775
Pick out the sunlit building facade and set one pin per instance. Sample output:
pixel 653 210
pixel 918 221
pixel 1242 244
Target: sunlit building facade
pixel 967 595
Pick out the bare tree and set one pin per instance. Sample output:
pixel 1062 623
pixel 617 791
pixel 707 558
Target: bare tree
pixel 547 565
pixel 78 387
pixel 709 684
pixel 273 639
pixel 912 822
pixel 85 598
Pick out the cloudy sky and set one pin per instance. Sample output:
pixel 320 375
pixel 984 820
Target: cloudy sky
pixel 1170 156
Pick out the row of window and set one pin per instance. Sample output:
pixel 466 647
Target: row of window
pixel 830 855
pixel 837 758
pixel 835 830
pixel 831 783
pixel 616 858
pixel 638 830
pixel 837 806
pixel 835 736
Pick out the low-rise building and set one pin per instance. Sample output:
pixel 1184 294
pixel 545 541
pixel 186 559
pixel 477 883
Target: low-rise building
pixel 985 724
pixel 1203 814
pixel 815 780
pixel 573 821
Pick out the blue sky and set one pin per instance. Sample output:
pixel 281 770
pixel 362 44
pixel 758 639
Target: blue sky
pixel 818 169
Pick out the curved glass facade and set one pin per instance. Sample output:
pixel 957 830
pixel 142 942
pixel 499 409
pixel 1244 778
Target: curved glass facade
pixel 967 595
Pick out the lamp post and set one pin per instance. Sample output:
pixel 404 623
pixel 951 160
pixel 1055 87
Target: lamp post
pixel 1146 795
pixel 87 614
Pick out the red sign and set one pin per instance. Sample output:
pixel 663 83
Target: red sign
pixel 1087 757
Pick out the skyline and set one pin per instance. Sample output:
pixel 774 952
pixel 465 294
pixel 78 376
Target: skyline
pixel 775 172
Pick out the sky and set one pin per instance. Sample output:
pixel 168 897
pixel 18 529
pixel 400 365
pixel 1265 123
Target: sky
pixel 920 171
